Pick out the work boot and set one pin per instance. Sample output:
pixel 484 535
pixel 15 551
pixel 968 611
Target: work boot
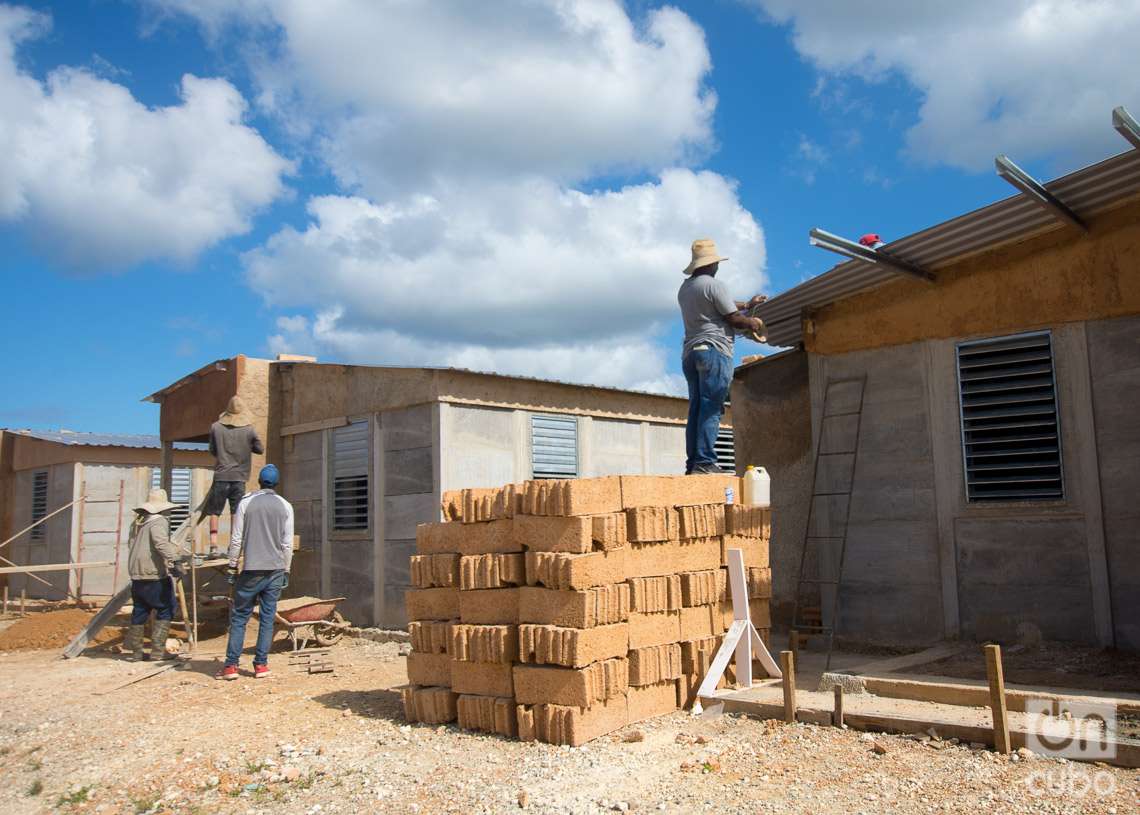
pixel 133 643
pixel 158 636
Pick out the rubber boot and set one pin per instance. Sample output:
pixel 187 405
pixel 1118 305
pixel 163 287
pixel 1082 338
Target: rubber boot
pixel 133 643
pixel 158 636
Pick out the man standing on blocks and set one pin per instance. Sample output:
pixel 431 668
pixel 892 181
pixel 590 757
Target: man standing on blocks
pixel 711 318
pixel 262 537
pixel 233 441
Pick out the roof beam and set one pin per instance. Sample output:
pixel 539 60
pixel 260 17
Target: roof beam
pixel 1126 126
pixel 851 249
pixel 1032 189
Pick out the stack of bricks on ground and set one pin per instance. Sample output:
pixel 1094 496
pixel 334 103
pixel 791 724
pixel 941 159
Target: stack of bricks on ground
pixel 563 610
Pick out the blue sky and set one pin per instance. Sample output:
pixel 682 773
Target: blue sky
pixel 513 192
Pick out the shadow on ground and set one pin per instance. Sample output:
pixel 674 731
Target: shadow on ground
pixel 372 704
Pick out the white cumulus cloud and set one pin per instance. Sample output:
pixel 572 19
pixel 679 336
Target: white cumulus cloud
pixel 1034 78
pixel 99 179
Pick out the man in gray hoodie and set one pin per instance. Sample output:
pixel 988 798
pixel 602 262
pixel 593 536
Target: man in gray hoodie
pixel 262 536
pixel 152 561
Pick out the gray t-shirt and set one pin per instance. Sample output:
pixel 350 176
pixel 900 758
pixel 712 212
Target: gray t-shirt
pixel 704 302
pixel 232 447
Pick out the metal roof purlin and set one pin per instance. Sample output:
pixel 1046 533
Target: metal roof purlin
pixel 842 246
pixel 1126 126
pixel 1032 189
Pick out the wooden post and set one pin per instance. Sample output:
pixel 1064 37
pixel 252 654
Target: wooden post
pixel 794 643
pixel 166 479
pixel 23 602
pixel 788 669
pixel 118 535
pixel 5 599
pixel 79 547
pixel 997 698
pixel 837 716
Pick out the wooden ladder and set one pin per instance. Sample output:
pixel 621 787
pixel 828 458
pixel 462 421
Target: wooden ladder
pixel 825 537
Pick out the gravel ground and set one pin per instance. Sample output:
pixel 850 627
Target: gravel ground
pixel 182 742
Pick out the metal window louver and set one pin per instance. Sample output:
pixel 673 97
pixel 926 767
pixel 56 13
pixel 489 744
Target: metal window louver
pixel 725 450
pixel 554 446
pixel 1011 440
pixel 39 503
pixel 180 493
pixel 350 476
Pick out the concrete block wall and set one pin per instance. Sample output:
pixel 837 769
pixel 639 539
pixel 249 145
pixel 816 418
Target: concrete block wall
pixel 533 617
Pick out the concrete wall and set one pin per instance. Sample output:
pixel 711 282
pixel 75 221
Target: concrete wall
pixel 922 563
pixel 773 430
pixel 1114 360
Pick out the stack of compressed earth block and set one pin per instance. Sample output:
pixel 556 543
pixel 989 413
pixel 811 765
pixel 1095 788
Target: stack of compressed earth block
pixel 562 610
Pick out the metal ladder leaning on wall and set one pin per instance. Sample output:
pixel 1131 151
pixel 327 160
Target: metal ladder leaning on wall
pixel 839 429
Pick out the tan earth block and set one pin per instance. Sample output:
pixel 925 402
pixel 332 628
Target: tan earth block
pixel 748 521
pixel 451 505
pixel 693 651
pixel 429 669
pixel 601 605
pixel 651 701
pixel 429 705
pixel 658 663
pixel 484 643
pixel 672 557
pixel 651 524
pixel 650 594
pixel 658 628
pixel 700 622
pixel 482 678
pixel 434 571
pixel 541 533
pixel 755 551
pixel 432 604
pixel 430 636
pixel 610 531
pixel 577 687
pixel 489 606
pixel 573 726
pixel 759 583
pixel 571 647
pixel 488 714
pixel 560 571
pixel 701 521
pixel 676 490
pixel 493 571
pixel 477 505
pixel 579 496
pixel 703 588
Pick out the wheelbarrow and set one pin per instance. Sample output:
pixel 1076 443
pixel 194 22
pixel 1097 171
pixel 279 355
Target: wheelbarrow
pixel 311 618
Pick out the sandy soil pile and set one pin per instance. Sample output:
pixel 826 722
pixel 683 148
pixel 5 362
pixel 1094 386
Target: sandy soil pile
pixel 52 629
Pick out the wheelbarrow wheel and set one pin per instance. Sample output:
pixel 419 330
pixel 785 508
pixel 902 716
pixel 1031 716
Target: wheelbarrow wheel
pixel 329 636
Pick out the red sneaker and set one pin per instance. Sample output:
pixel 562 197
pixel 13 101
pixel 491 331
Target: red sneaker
pixel 228 673
pixel 260 671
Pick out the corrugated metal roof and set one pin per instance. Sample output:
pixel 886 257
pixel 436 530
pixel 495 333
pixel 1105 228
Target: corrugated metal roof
pixel 70 437
pixel 1087 191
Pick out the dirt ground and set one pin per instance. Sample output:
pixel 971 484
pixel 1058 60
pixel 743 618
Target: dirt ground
pixel 1049 664
pixel 72 740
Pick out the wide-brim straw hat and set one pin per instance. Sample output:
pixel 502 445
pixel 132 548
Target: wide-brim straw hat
pixel 704 254
pixel 155 503
pixel 236 414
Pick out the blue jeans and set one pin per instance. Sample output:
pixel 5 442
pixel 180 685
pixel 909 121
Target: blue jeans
pixel 709 374
pixel 254 587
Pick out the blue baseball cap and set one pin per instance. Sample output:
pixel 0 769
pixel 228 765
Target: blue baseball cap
pixel 268 477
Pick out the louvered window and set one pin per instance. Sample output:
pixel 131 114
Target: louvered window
pixel 1011 437
pixel 179 493
pixel 39 503
pixel 554 446
pixel 349 466
pixel 725 450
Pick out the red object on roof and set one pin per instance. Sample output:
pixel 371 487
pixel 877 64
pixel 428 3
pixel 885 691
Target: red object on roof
pixel 871 239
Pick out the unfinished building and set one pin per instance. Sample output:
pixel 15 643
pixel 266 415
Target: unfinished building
pixel 44 472
pixel 972 390
pixel 366 452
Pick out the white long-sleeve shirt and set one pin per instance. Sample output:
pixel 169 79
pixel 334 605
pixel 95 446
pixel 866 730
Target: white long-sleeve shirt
pixel 262 528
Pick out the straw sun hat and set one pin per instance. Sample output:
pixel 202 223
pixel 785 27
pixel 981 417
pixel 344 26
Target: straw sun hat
pixel 236 414
pixel 704 254
pixel 155 503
